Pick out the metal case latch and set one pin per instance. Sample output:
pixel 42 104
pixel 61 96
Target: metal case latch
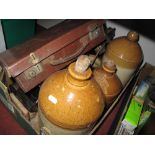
pixel 95 33
pixel 33 71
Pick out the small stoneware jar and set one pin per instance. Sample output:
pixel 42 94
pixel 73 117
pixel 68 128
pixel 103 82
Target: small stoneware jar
pixel 126 53
pixel 70 100
pixel 108 81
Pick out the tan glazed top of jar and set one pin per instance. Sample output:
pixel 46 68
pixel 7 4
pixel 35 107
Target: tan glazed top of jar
pixel 125 50
pixel 70 99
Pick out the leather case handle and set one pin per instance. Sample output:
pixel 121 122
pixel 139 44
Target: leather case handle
pixel 68 58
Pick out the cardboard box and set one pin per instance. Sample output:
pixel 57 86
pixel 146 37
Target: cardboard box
pixel 32 125
pixel 131 114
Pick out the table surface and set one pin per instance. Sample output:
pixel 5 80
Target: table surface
pixel 8 123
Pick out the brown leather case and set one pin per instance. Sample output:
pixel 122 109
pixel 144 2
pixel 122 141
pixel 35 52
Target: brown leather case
pixel 32 62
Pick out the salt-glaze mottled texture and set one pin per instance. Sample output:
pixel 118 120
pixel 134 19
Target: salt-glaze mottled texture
pixel 52 129
pixel 109 83
pixel 126 53
pixel 71 100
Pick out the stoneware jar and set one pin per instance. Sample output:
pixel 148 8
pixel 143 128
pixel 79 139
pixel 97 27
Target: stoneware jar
pixel 108 81
pixel 126 53
pixel 70 100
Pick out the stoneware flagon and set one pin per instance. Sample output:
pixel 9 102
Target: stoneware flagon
pixel 70 100
pixel 108 81
pixel 126 53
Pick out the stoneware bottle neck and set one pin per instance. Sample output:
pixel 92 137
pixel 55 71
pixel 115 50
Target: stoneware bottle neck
pixel 78 79
pixel 109 68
